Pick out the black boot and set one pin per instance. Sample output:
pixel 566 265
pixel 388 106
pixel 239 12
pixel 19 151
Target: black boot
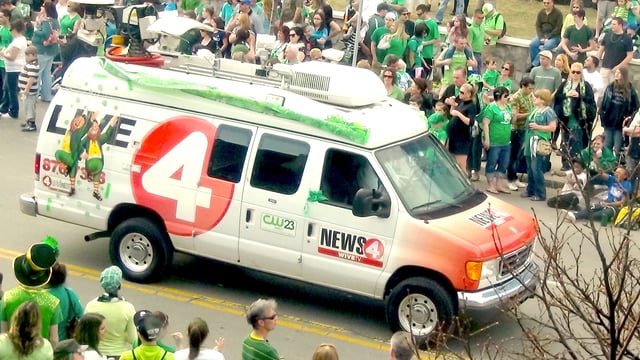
pixel 30 126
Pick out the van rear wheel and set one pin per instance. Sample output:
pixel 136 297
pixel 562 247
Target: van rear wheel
pixel 140 249
pixel 420 306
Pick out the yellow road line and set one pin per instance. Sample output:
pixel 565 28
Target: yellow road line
pixel 223 306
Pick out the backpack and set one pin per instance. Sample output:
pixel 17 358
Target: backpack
pixel 504 27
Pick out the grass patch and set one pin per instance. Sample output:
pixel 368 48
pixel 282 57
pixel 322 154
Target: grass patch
pixel 520 15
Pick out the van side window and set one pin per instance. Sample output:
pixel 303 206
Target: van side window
pixel 344 174
pixel 229 153
pixel 279 164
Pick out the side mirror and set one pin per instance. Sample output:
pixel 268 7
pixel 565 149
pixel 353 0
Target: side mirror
pixel 371 203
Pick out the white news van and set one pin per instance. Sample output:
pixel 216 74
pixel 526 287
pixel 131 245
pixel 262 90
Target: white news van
pixel 307 171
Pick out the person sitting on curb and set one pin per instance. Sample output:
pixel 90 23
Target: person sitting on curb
pixel 618 191
pixel 570 196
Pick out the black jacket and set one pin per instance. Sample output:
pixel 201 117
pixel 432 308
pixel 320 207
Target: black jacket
pixel 588 98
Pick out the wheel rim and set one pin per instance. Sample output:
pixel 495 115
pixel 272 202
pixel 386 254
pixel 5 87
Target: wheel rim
pixel 136 252
pixel 418 314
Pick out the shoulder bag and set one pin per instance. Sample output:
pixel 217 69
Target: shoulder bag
pixel 72 319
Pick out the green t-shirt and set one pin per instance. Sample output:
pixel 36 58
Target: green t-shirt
pixel 396 93
pixel 491 76
pixel 258 349
pixel 397 48
pixel 458 59
pixel 147 352
pixel 476 37
pixel 580 37
pixel 507 83
pixel 433 32
pixel 414 45
pixel 435 119
pixel 5 40
pixel 375 37
pixel 541 118
pixel 495 22
pixel 190 4
pixel 499 124
pixel 67 23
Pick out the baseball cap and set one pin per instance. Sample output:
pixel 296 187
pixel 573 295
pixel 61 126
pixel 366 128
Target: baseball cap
pixel 390 15
pixel 382 6
pixel 111 279
pixel 147 324
pixel 546 53
pixel 245 2
pixel 487 8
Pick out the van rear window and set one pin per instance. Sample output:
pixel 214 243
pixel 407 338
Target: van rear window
pixel 279 164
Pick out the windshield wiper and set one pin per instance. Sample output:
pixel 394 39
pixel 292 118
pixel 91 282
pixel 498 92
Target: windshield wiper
pixel 426 205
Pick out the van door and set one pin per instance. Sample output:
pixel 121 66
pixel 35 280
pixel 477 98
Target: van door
pixel 228 163
pixel 273 205
pixel 342 250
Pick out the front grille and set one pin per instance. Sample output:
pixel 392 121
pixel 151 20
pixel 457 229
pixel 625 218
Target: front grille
pixel 513 262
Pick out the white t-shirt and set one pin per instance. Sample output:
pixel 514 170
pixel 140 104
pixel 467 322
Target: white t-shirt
pixel 595 80
pixel 16 65
pixel 204 354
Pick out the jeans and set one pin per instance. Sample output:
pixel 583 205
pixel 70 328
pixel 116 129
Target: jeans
pixel 459 8
pixel 535 174
pixel 45 62
pixel 571 145
pixel 534 48
pixel 478 57
pixel 498 160
pixel 10 102
pixel 613 140
pixel 517 137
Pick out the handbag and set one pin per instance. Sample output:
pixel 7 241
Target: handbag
pixel 385 42
pixel 72 319
pixel 543 147
pixel 53 36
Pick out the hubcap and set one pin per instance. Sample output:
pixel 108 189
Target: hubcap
pixel 136 252
pixel 418 314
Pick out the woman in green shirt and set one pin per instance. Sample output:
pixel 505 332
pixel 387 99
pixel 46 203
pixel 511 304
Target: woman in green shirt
pixel 496 125
pixel 505 78
pixel 70 22
pixel 389 80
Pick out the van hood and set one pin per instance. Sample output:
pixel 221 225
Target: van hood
pixel 508 226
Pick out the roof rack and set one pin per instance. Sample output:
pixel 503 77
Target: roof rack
pixel 329 83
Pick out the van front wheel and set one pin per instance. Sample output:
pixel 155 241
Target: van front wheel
pixel 420 306
pixel 140 249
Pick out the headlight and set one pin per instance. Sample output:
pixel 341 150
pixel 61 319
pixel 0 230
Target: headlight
pixel 477 270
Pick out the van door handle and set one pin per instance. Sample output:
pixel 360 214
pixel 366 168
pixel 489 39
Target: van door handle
pixel 247 217
pixel 309 229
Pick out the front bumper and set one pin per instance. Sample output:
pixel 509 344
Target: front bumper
pixel 505 293
pixel 28 204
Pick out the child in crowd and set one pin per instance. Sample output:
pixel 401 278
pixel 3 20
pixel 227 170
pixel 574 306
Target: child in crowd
pixel 491 74
pixel 28 85
pixel 320 32
pixel 570 196
pixel 622 10
pixel 404 79
pixel 438 122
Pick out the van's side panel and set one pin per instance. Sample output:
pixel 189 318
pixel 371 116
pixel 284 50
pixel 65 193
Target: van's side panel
pixel 276 190
pixel 342 250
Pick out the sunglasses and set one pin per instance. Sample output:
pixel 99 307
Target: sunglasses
pixel 463 92
pixel 272 317
pixel 293 34
pixel 406 13
pixel 505 68
pixel 576 72
pixel 388 76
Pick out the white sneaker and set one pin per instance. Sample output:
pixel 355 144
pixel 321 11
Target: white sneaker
pixel 512 186
pixel 520 184
pixel 569 216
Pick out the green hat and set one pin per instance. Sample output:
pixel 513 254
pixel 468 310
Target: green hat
pixel 474 78
pixel 111 279
pixel 33 269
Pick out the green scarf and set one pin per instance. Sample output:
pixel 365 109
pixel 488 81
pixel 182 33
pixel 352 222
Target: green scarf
pixel 566 104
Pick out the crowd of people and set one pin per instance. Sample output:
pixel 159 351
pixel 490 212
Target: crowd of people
pixel 43 319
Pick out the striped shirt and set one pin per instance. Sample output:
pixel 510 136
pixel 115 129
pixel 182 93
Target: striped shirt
pixel 30 70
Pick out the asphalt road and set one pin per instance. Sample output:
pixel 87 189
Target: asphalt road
pixel 216 292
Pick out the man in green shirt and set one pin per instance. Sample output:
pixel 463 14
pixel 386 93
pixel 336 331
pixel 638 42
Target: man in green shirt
pixel 458 56
pixel 149 327
pixel 378 54
pixel 522 104
pixel 263 318
pixel 493 24
pixel 5 38
pixel 477 37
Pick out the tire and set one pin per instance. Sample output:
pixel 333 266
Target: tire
pixel 420 306
pixel 141 250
